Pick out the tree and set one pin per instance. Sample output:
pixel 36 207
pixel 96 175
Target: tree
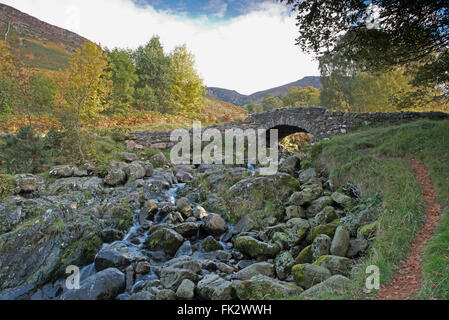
pixel 381 34
pixel 188 88
pixel 123 76
pixel 270 102
pixel 297 96
pixel 84 86
pixel 8 86
pixel 155 74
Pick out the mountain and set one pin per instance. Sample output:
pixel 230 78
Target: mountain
pixel 41 45
pixel 241 99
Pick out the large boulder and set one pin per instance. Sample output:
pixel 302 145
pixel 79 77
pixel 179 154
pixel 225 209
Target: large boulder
pixel 212 287
pixel 308 175
pixel 283 264
pixel 129 157
pixel 318 205
pixel 255 194
pixel 164 239
pixel 254 248
pixel 342 200
pixel 118 255
pixel 186 290
pixel 214 225
pixel 321 246
pixel 115 177
pixel 340 243
pixel 335 264
pixel 61 172
pixel 210 244
pixel 187 229
pixel 105 285
pixel 27 183
pixel 135 171
pixel 263 268
pixel 308 275
pixel 262 287
pixel 171 278
pixel 159 160
pixel 335 284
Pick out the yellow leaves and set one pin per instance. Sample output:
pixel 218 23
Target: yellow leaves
pixel 85 84
pixel 6 58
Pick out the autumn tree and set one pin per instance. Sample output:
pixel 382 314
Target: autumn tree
pixel 154 86
pixel 270 102
pixel 84 86
pixel 123 76
pixel 188 88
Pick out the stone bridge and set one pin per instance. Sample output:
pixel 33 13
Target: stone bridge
pixel 320 122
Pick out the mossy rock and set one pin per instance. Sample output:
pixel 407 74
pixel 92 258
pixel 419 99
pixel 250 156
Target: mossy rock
pixel 256 249
pixel 164 239
pixel 298 273
pixel 327 229
pixel 368 230
pixel 305 256
pixel 122 217
pixel 210 244
pixel 265 288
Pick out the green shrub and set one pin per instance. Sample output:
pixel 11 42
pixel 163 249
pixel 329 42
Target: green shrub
pixel 24 153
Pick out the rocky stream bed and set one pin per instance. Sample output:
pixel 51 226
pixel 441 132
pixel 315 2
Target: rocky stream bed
pixel 142 233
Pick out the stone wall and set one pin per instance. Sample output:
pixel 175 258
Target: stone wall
pixel 320 122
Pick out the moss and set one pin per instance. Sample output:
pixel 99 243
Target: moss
pixel 255 249
pixel 122 217
pixel 298 274
pixel 305 256
pixel 302 233
pixel 368 230
pixel 327 229
pixel 320 260
pixel 210 244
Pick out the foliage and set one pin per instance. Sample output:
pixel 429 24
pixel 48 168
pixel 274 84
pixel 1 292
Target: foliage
pixel 382 35
pixel 24 153
pixel 188 87
pixel 156 77
pixel 84 85
pixel 123 76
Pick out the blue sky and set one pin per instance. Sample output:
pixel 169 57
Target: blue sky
pixel 220 10
pixel 247 46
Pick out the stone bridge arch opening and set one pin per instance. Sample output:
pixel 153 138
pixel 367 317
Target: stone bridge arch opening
pixel 292 137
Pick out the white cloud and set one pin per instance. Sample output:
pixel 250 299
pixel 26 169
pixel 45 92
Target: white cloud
pixel 249 53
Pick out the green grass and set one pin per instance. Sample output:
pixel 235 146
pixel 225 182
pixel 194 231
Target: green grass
pixel 41 56
pixel 375 161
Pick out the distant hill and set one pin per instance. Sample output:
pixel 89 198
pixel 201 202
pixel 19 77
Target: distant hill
pixel 241 99
pixel 41 45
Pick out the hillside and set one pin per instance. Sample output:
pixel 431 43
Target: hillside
pixel 236 98
pixel 41 45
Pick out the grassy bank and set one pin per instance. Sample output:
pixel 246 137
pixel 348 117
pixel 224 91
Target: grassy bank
pixel 374 160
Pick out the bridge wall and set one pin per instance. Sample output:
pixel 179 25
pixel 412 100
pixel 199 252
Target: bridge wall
pixel 320 122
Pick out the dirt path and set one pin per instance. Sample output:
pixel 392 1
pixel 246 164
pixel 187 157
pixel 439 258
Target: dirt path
pixel 407 280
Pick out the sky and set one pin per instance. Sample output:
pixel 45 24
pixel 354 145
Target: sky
pixel 247 46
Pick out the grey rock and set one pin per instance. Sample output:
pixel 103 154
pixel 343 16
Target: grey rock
pixel 283 264
pixel 171 278
pixel 61 172
pixel 212 287
pixel 263 268
pixel 129 157
pixel 214 225
pixel 262 287
pixel 307 275
pixel 186 290
pixel 336 283
pixel 340 243
pixel 115 177
pixel 105 285
pixel 119 255
pixel 321 246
